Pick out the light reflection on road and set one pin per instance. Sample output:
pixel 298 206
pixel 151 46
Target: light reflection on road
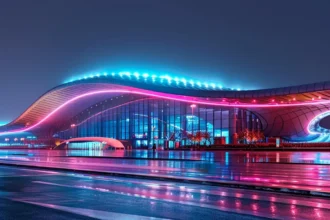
pixel 253 168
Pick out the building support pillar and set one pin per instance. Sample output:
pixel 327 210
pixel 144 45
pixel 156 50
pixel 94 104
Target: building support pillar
pixel 232 126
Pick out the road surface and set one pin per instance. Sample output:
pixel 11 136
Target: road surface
pixel 40 194
pixel 304 171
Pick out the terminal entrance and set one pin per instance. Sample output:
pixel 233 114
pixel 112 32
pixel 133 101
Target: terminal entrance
pixel 142 143
pixel 93 145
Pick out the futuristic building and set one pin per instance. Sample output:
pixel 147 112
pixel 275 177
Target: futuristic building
pixel 145 109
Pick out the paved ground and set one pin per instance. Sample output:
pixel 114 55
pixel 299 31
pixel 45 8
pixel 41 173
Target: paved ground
pixel 39 194
pixel 282 170
pixel 212 156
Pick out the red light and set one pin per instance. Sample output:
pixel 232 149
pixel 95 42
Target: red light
pixel 320 97
pixel 294 99
pixel 273 100
pixel 254 101
pixel 313 98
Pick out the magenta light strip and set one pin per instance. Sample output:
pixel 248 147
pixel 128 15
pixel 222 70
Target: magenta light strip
pixel 157 95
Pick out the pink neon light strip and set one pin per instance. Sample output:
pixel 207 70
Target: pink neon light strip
pixel 157 95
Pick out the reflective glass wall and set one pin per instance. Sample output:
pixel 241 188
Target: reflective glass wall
pixel 164 123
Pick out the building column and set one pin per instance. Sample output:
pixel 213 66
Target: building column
pixel 232 124
pixel 131 122
pixel 118 125
pixel 149 133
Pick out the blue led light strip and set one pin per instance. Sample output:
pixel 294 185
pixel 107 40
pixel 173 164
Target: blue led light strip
pixel 153 78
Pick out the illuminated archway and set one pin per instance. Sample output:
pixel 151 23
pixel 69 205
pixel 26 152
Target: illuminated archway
pixel 314 125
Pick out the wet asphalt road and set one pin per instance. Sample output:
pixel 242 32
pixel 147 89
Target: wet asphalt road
pixel 308 171
pixel 39 194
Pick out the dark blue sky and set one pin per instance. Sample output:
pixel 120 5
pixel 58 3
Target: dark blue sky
pixel 250 44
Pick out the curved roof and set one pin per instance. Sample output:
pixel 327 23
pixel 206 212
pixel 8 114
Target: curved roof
pixel 196 88
pixel 205 89
pixel 67 100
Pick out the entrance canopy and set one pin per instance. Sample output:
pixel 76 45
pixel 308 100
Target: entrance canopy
pixel 106 143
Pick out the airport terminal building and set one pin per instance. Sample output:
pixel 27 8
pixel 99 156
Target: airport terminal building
pixel 145 109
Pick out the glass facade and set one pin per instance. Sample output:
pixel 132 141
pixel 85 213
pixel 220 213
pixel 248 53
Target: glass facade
pixel 162 122
pixel 85 145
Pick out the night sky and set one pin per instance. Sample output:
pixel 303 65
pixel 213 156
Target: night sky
pixel 246 44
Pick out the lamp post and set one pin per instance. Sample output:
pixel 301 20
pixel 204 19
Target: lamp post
pixel 192 106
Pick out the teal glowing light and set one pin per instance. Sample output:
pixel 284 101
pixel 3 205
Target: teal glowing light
pixel 3 123
pixel 137 75
pixel 184 81
pixel 192 83
pixel 168 78
pixel 154 78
